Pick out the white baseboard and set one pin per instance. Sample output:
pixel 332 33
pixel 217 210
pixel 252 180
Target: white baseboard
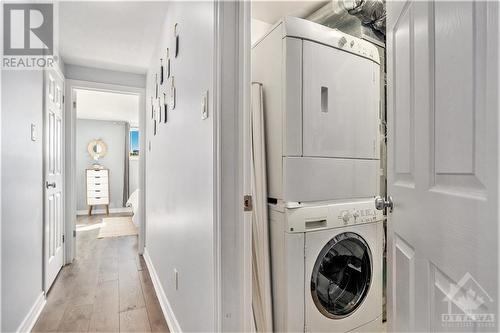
pixel 103 211
pixel 172 322
pixel 32 316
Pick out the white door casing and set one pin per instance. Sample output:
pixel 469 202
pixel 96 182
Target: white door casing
pixel 442 164
pixel 53 176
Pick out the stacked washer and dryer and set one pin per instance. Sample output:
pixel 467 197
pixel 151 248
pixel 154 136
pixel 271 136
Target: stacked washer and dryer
pixel 322 114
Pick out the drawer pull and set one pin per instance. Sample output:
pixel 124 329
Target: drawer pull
pixel 316 224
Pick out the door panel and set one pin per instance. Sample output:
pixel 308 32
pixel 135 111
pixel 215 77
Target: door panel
pixel 53 166
pixel 341 104
pixel 403 85
pixel 459 113
pixel 442 164
pixel 405 285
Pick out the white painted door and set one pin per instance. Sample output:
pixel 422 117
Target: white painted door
pixel 443 149
pixel 53 169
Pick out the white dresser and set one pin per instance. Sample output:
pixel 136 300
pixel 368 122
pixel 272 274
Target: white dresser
pixel 97 188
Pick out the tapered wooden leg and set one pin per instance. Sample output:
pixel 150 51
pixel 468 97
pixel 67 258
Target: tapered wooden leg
pixel 90 210
pixel 107 209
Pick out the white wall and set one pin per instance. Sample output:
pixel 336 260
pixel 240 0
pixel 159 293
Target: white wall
pixel 180 172
pixel 259 29
pixel 107 105
pixel 22 195
pixel 113 134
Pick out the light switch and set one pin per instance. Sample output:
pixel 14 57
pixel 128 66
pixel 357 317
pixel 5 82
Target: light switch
pixel 204 105
pixel 33 132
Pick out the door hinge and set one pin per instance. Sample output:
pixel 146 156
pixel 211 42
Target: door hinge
pixel 74 233
pixel 63 99
pixel 74 104
pixel 247 203
pixel 63 238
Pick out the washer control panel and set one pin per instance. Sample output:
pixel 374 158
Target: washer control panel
pixel 305 217
pixel 356 215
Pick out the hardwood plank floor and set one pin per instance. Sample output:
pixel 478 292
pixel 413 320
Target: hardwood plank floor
pixel 106 289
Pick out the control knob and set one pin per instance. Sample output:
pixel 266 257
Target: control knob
pixel 346 216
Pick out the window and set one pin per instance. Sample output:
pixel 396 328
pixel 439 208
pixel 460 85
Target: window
pixel 134 142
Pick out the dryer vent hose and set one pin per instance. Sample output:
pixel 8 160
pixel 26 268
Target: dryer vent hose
pixel 369 12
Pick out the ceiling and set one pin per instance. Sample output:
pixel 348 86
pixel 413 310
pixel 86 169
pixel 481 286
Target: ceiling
pixel 102 105
pixel 114 35
pixel 273 11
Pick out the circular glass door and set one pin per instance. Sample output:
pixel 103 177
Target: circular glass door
pixel 341 275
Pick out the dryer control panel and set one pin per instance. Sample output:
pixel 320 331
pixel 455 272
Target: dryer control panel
pixel 306 217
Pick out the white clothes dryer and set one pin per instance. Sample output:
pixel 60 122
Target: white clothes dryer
pixel 321 91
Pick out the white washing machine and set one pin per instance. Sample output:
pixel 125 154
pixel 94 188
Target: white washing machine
pixel 321 91
pixel 327 266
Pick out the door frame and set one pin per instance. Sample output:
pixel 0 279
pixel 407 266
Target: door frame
pixel 70 158
pixel 58 71
pixel 233 225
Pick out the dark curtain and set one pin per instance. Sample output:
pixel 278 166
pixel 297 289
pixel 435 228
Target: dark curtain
pixel 126 167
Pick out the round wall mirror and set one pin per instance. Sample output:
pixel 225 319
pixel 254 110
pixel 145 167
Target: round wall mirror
pixel 97 149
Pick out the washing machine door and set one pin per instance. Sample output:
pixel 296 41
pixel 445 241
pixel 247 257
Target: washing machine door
pixel 341 275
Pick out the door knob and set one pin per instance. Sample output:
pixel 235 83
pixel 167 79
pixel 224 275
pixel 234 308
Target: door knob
pixel 381 203
pixel 49 185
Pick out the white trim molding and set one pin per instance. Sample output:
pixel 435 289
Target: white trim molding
pixel 166 308
pixel 32 316
pixel 233 274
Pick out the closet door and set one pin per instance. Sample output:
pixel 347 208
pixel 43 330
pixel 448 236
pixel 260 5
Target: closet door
pixel 53 170
pixel 340 103
pixel 443 168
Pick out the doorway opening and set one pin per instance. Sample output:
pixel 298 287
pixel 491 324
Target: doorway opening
pixel 107 162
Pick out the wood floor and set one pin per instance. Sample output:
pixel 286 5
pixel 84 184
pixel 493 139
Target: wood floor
pixel 106 289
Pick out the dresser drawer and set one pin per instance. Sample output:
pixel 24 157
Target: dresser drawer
pixel 97 193
pixel 97 173
pixel 97 185
pixel 98 201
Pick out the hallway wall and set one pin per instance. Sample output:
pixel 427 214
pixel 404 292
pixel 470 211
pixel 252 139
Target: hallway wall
pixel 22 195
pixel 180 172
